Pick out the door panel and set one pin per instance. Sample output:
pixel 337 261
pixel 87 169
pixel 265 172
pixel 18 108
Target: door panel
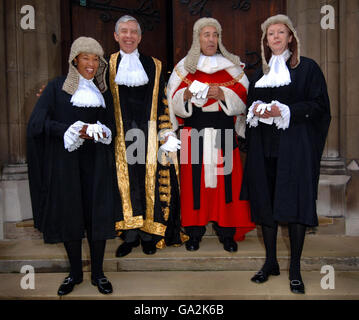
pixel 167 25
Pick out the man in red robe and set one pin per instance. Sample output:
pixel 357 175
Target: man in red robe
pixel 207 94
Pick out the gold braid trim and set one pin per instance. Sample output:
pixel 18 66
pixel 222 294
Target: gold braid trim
pixel 164 118
pixel 129 222
pixel 164 189
pixel 166 213
pixel 165 125
pixel 150 225
pixel 165 181
pixel 224 84
pixel 161 244
pixel 164 173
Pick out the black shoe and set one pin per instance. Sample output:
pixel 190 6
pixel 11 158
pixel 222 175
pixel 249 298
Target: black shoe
pixel 148 247
pixel 262 275
pixel 103 285
pixel 297 286
pixel 125 248
pixel 230 245
pixel 68 285
pixel 192 244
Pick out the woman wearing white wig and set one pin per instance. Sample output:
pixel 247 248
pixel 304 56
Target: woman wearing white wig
pixel 71 165
pixel 288 121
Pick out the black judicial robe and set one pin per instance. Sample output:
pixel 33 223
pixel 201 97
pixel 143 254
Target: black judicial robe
pixel 299 149
pixel 70 190
pixel 149 190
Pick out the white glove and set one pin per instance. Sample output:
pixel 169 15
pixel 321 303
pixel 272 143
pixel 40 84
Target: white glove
pixel 261 109
pixel 107 131
pixel 95 131
pixel 72 140
pixel 199 91
pixel 172 144
pixel 198 88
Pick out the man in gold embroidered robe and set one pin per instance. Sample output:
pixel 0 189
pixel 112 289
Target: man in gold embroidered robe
pixel 148 188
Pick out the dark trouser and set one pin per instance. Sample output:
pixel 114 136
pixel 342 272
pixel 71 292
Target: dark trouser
pixel 97 247
pixel 135 234
pixel 199 231
pixel 74 253
pixel 296 232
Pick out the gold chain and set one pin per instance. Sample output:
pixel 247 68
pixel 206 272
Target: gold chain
pixel 224 84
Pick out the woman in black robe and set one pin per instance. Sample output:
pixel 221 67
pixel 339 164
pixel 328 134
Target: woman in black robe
pixel 288 121
pixel 71 163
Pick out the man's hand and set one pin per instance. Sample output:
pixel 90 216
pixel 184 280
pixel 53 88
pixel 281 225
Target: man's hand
pixel 215 93
pixel 187 94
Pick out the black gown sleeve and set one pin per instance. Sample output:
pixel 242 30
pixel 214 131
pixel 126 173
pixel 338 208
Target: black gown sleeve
pixel 40 120
pixel 315 103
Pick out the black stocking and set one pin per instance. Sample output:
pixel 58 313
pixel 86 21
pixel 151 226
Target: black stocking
pixel 296 237
pixel 97 252
pixel 270 243
pixel 73 249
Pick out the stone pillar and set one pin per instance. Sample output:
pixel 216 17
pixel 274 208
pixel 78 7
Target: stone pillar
pixel 337 52
pixel 349 97
pixel 31 58
pixel 323 47
pixel 4 136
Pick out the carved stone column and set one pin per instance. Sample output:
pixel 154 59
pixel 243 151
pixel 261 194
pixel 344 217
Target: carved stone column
pixel 337 52
pixel 30 58
pixel 322 46
pixel 4 136
pixel 349 111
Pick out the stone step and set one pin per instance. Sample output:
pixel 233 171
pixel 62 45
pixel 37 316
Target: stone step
pixel 24 230
pixel 184 285
pixel 341 252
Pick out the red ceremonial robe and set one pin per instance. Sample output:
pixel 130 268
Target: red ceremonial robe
pixel 215 204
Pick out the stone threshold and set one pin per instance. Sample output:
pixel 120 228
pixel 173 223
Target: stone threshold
pixel 184 285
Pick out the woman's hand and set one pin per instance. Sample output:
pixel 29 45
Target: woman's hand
pixel 274 112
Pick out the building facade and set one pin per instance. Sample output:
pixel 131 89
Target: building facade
pixel 31 55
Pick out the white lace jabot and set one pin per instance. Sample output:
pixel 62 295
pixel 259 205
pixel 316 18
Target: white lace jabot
pixel 87 95
pixel 212 64
pixel 279 74
pixel 130 70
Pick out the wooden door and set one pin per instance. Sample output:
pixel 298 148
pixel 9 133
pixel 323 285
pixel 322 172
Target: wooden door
pixel 167 25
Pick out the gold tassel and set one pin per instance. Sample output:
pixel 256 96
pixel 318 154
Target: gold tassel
pixel 161 244
pixel 164 117
pixel 166 213
pixel 184 237
pixel 165 198
pixel 165 190
pixel 164 173
pixel 164 181
pixel 165 125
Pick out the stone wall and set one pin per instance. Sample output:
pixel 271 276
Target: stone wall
pixel 349 98
pixel 337 52
pixel 322 46
pixel 4 136
pixel 29 58
pixel 32 56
